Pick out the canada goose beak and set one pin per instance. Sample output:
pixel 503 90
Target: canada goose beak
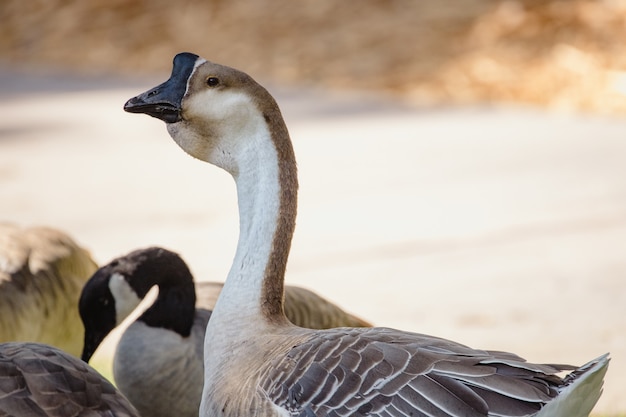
pixel 92 341
pixel 165 101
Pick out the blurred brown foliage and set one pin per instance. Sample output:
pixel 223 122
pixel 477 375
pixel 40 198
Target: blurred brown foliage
pixel 559 53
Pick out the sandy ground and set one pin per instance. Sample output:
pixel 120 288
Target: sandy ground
pixel 501 228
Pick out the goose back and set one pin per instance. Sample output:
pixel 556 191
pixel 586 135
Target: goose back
pixel 386 372
pixel 40 380
pixel 303 307
pixel 42 271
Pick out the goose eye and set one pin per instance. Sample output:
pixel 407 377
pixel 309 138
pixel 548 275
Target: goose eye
pixel 212 81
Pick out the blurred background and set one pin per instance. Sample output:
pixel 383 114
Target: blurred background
pixel 564 54
pixel 462 164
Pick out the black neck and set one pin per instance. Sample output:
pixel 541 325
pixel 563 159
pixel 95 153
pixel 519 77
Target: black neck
pixel 174 307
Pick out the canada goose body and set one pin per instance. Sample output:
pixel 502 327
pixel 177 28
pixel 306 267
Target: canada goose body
pixel 40 380
pixel 261 364
pixel 158 363
pixel 42 271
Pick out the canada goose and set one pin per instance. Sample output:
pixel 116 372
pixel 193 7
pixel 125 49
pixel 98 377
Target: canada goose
pixel 42 271
pixel 158 361
pixel 264 366
pixel 41 380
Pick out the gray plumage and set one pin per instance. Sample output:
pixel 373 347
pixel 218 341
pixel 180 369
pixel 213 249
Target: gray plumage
pixel 42 271
pixel 386 372
pixel 159 371
pixel 37 380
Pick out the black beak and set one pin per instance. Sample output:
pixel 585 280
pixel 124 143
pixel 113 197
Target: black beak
pixel 92 341
pixel 165 101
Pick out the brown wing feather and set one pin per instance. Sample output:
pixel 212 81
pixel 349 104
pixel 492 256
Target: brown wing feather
pixel 382 371
pixel 42 272
pixel 303 307
pixel 39 380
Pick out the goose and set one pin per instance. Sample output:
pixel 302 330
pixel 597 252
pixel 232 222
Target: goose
pixel 41 380
pixel 42 271
pixel 162 351
pixel 261 364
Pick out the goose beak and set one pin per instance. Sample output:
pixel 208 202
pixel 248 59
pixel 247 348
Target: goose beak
pixel 162 102
pixel 92 341
pixel 165 101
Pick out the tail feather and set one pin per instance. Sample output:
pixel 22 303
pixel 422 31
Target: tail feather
pixel 581 391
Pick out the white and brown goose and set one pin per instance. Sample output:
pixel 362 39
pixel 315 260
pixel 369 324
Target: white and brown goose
pixel 256 362
pixel 42 272
pixel 158 363
pixel 43 381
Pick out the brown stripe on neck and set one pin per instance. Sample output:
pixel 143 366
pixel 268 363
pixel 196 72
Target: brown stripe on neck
pixel 273 284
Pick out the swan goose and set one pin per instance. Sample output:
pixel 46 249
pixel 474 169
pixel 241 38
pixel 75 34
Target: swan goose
pixel 158 363
pixel 261 364
pixel 42 271
pixel 41 380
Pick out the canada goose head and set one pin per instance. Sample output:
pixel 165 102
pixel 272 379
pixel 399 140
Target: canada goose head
pixel 207 107
pixel 117 288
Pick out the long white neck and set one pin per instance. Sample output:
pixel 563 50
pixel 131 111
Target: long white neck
pixel 258 192
pixel 257 152
pixel 248 138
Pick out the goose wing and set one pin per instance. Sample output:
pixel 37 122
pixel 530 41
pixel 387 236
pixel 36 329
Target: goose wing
pixel 34 249
pixel 42 271
pixel 385 372
pixel 38 380
pixel 303 307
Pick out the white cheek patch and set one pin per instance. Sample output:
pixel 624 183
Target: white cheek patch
pixel 126 299
pixel 219 121
pixel 226 110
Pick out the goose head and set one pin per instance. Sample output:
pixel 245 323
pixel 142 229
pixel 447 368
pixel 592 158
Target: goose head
pixel 227 119
pixel 208 107
pixel 116 289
